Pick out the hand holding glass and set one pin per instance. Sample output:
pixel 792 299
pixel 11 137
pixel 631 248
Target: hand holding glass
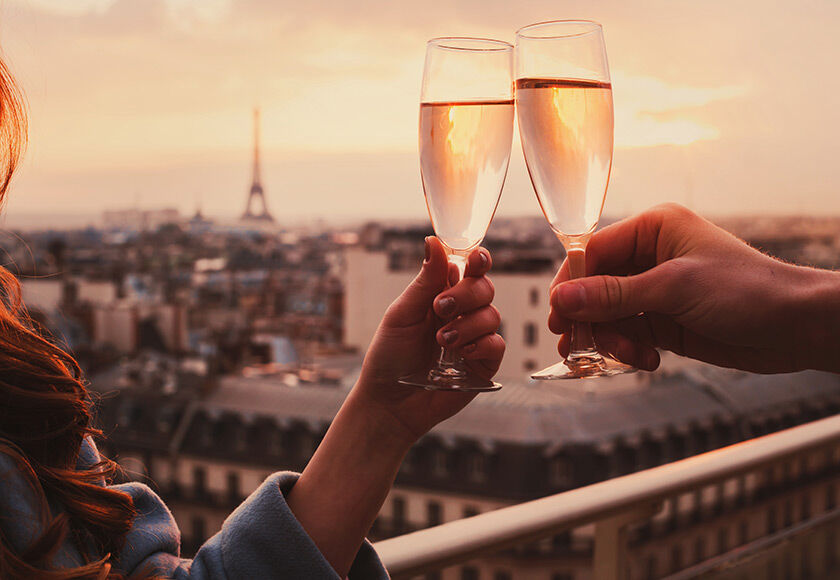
pixel 565 111
pixel 466 131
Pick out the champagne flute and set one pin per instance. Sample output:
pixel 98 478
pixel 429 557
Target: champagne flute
pixel 565 110
pixel 466 132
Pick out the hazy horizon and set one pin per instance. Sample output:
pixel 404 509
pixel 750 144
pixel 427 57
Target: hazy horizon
pixel 149 104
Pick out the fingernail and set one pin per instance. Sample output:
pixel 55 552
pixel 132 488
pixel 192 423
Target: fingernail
pixel 446 306
pixel 428 250
pixel 470 347
pixel 450 336
pixel 572 297
pixel 483 258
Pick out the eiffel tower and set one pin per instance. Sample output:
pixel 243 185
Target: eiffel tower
pixel 257 193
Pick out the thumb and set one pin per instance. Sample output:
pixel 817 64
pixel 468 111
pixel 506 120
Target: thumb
pixel 606 298
pixel 414 303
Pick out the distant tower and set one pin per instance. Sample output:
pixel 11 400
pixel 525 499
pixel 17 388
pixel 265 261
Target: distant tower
pixel 256 192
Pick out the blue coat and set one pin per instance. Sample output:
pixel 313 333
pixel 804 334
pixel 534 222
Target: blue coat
pixel 260 539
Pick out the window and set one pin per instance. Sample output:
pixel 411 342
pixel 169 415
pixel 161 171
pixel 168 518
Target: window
pixel 407 466
pixel 234 495
pixel 477 467
pixel 206 437
pixel 199 481
pixel 398 513
pixel 534 296
pixel 676 558
pixel 650 568
pixel 722 540
pixel 530 334
pixel 560 473
pixel 743 533
pixel 275 442
pixel 305 445
pixel 788 521
pixel 562 541
pixel 699 549
pixel 434 514
pixel 240 438
pixel 439 463
pixel 199 530
pixel 469 573
pixel 470 511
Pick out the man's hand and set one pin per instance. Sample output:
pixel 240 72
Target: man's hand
pixel 670 279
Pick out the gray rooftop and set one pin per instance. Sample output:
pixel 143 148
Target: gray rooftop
pixel 558 413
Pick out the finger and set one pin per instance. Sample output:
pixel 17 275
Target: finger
pixel 479 263
pixel 412 305
pixel 487 351
pixel 564 344
pixel 454 274
pixel 467 295
pixel 604 298
pixel 612 343
pixel 630 241
pixel 557 323
pixel 469 327
pixel 562 274
pixel 620 347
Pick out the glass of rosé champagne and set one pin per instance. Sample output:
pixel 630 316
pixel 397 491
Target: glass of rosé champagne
pixel 466 132
pixel 564 107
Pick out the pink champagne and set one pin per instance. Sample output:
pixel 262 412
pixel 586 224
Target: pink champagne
pixel 464 155
pixel 566 127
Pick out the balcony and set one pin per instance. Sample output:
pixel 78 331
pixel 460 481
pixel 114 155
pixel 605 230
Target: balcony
pixel 763 508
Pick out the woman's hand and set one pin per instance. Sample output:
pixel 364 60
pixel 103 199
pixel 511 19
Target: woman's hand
pixel 342 488
pixel 430 314
pixel 670 279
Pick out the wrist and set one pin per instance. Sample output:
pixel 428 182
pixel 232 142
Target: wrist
pixel 816 315
pixel 377 425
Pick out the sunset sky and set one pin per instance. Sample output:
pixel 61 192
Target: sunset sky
pixel 728 107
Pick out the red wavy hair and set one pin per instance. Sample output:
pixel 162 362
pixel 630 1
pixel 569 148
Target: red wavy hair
pixel 45 414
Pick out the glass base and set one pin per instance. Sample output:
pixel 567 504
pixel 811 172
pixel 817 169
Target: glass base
pixel 448 379
pixel 585 366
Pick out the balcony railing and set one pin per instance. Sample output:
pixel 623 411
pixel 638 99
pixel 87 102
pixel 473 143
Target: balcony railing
pixel 611 506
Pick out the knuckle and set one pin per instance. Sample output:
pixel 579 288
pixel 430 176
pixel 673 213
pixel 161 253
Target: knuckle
pixel 495 316
pixel 610 292
pixel 672 211
pixel 491 289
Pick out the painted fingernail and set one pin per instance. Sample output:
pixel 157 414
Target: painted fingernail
pixel 428 250
pixel 446 306
pixel 572 297
pixel 470 348
pixel 450 336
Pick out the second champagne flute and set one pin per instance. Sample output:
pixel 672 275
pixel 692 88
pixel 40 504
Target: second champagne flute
pixel 466 131
pixel 565 109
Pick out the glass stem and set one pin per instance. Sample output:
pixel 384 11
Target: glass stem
pixel 582 343
pixel 448 358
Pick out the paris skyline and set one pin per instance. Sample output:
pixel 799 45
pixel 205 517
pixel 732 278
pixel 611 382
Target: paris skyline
pixel 149 103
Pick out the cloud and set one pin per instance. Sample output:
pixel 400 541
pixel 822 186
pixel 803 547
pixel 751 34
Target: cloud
pixel 189 14
pixel 67 7
pixel 650 111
